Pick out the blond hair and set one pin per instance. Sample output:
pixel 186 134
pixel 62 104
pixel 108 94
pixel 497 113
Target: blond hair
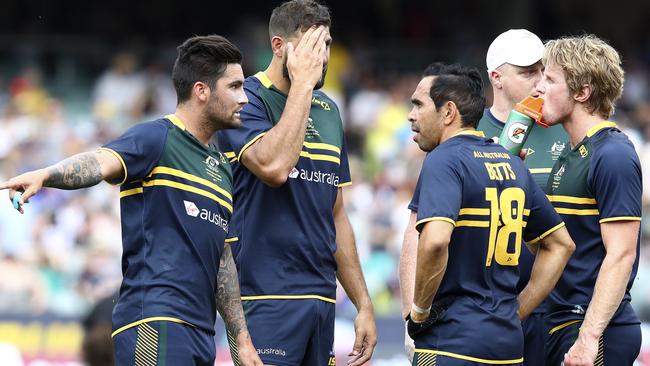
pixel 588 60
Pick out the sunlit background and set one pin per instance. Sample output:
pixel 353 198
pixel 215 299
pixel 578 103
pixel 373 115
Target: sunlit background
pixel 75 74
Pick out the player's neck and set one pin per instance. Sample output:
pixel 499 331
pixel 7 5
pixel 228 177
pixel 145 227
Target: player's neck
pixel 194 125
pixel 501 108
pixel 578 124
pixel 274 73
pixel 453 131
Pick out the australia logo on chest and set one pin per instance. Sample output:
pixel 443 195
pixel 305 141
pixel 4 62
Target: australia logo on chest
pixel 556 149
pixel 212 168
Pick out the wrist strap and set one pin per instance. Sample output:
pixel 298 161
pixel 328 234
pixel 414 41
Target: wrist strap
pixel 420 310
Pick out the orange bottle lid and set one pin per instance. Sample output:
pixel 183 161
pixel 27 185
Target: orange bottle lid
pixel 532 107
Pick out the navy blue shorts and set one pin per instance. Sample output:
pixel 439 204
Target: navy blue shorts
pixel 535 332
pixel 618 346
pixel 292 332
pixel 163 343
pixel 429 358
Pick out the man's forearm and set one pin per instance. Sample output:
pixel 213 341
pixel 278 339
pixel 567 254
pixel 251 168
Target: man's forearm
pixel 229 296
pixel 432 257
pixel 608 294
pixel 550 261
pixel 78 171
pixel 279 149
pixel 349 271
pixel 407 263
pixel 431 267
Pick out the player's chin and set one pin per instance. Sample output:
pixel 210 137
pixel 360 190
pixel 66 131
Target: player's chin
pixel 234 122
pixel 550 119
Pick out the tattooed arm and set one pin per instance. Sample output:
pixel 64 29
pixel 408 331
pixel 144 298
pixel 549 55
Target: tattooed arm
pixel 229 306
pixel 228 295
pixel 78 171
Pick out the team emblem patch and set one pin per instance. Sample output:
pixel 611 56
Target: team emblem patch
pixel 556 149
pixel 211 161
pixel 583 151
pixel 212 167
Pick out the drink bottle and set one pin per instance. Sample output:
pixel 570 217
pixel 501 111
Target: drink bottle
pixel 520 122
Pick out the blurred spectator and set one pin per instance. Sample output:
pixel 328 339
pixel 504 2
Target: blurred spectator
pixel 119 93
pixel 22 289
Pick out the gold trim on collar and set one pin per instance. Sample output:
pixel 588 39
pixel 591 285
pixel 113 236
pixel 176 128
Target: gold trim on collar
pixel 264 79
pixel 469 132
pixel 606 124
pixel 176 121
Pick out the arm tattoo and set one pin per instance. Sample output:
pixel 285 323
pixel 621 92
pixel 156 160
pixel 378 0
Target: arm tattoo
pixel 78 171
pixel 228 295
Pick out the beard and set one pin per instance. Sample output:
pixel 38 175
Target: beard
pixel 319 84
pixel 217 117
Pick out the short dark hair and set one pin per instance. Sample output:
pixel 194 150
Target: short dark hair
pixel 461 85
pixel 202 58
pixel 295 15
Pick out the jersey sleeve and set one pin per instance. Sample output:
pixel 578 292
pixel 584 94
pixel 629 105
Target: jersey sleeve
pixel 139 149
pixel 344 169
pixel 616 182
pixel 441 188
pixel 254 124
pixel 413 205
pixel 542 219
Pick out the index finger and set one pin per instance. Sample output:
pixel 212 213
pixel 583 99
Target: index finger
pixel 311 39
pixel 10 184
pixel 305 36
pixel 320 41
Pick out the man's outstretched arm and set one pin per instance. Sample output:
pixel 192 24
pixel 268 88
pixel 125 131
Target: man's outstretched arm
pixel 78 171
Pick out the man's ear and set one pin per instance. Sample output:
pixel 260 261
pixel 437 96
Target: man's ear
pixel 495 78
pixel 583 94
pixel 277 46
pixel 449 113
pixel 202 91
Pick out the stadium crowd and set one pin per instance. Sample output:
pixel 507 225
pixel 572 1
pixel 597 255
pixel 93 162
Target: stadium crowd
pixel 63 255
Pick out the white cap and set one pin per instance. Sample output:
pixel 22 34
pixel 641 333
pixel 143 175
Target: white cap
pixel 517 47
